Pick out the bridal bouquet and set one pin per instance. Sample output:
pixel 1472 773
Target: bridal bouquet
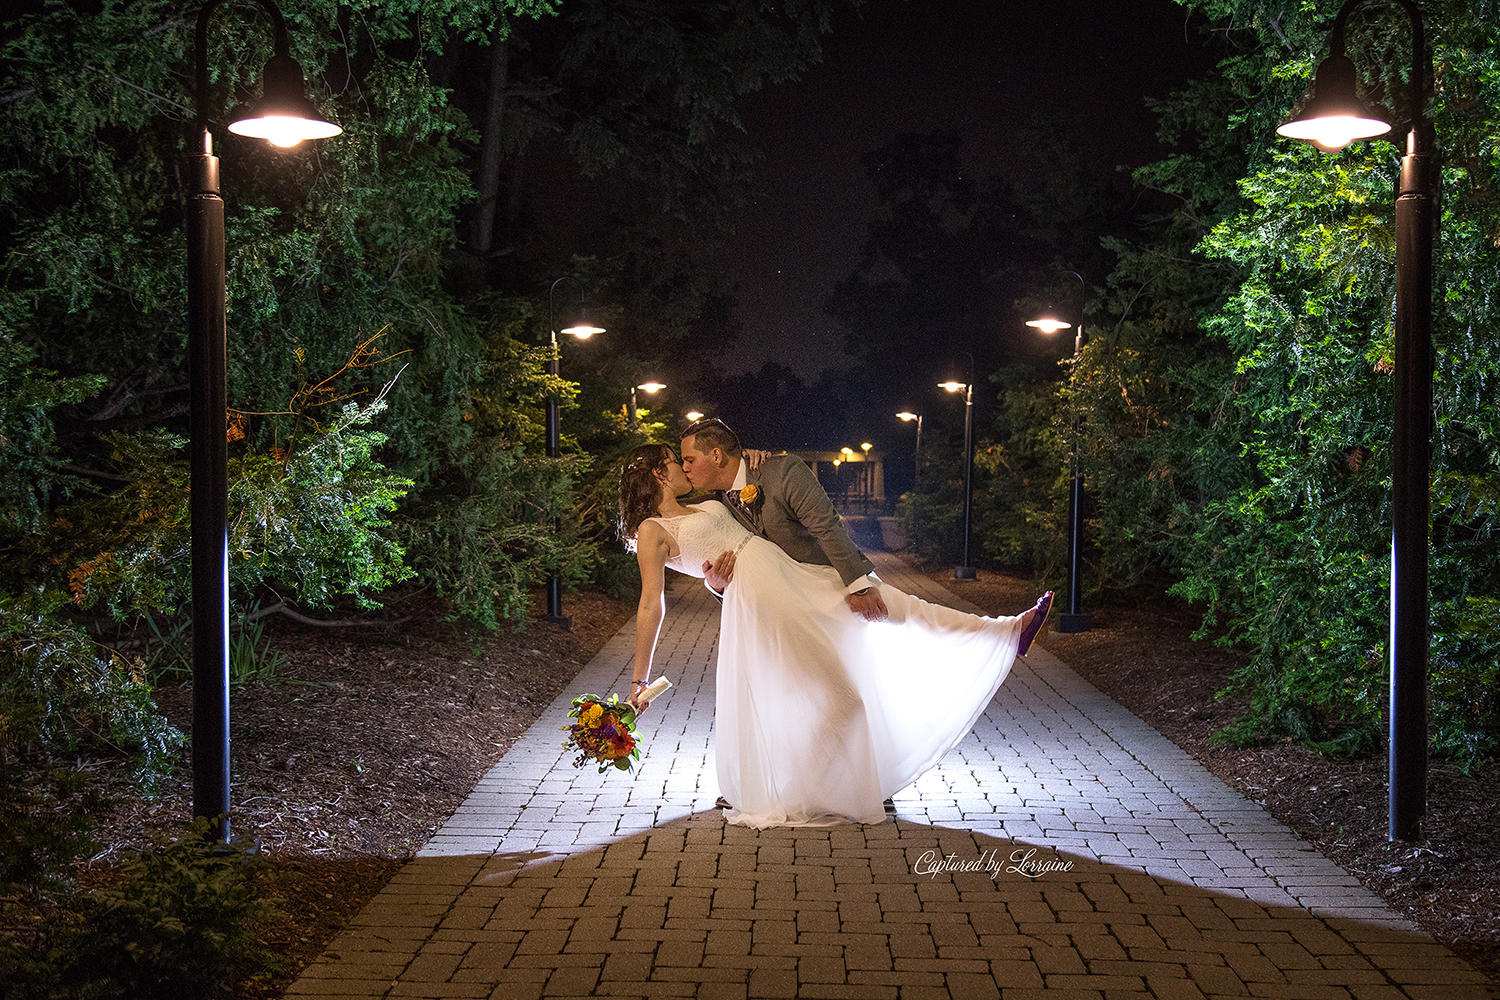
pixel 604 733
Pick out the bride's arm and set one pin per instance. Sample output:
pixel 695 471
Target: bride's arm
pixel 651 551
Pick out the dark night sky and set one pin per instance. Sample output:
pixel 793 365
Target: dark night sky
pixel 981 67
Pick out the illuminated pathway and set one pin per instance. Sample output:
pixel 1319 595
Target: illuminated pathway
pixel 555 882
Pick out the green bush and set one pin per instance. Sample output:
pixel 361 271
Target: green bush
pixel 311 520
pixel 61 691
pixel 618 575
pixel 175 927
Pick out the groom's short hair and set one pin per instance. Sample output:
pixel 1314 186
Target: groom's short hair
pixel 710 433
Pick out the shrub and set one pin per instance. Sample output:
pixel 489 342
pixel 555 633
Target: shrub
pixel 60 690
pixel 175 927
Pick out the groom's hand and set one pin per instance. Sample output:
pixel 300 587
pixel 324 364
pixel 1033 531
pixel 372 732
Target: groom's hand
pixel 718 573
pixel 868 605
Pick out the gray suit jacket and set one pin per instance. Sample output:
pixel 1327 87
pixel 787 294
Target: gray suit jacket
pixel 795 513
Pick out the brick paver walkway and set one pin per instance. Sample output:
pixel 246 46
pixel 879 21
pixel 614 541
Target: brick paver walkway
pixel 556 882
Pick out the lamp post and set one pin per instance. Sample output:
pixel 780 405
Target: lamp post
pixel 1074 620
pixel 965 570
pixel 284 117
pixel 652 387
pixel 916 472
pixel 583 330
pixel 868 472
pixel 1331 117
pixel 916 455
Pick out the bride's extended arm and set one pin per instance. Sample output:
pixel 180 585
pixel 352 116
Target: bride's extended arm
pixel 651 551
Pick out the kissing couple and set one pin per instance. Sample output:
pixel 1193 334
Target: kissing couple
pixel 833 689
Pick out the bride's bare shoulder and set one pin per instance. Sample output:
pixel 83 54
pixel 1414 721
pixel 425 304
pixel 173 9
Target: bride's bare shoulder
pixel 653 539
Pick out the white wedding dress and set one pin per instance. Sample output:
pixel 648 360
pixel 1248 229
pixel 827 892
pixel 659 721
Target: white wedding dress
pixel 821 715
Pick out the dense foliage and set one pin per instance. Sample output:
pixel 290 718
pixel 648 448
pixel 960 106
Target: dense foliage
pixel 1233 404
pixel 388 312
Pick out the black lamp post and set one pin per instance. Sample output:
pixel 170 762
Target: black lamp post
pixel 916 455
pixel 284 117
pixel 1074 620
pixel 1331 117
pixel 916 475
pixel 583 330
pixel 652 387
pixel 965 571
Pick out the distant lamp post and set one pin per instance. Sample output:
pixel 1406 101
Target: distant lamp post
pixel 916 460
pixel 285 116
pixel 965 570
pixel 652 388
pixel 1074 620
pixel 1331 116
pixel 583 330
pixel 908 416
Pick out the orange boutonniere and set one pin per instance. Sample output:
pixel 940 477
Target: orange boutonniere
pixel 749 494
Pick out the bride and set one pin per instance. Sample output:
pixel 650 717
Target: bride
pixel 819 715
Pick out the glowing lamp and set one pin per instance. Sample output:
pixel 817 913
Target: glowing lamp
pixel 284 116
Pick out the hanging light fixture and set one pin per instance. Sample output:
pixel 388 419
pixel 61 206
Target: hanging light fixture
pixel 1331 115
pixel 283 116
pixel 1049 323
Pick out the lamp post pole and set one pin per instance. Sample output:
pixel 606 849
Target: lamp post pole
pixel 916 474
pixel 1074 620
pixel 916 455
pixel 208 456
pixel 965 571
pixel 1331 118
pixel 652 387
pixel 554 450
pixel 284 117
pixel 583 330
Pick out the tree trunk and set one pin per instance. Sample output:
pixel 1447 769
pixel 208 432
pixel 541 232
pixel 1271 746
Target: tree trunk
pixel 490 146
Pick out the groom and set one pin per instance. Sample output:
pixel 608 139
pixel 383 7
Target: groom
pixel 779 500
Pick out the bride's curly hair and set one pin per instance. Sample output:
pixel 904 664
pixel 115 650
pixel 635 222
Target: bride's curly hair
pixel 640 492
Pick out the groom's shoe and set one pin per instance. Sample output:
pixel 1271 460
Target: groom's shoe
pixel 1029 634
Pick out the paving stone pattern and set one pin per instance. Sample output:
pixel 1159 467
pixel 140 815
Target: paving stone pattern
pixel 557 882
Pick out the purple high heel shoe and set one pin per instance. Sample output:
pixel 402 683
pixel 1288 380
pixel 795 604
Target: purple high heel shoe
pixel 1029 633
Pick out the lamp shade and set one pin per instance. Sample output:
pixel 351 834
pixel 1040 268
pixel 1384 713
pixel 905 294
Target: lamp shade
pixel 1049 323
pixel 582 329
pixel 1331 115
pixel 284 116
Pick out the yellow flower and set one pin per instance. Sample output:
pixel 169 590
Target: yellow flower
pixel 590 716
pixel 750 493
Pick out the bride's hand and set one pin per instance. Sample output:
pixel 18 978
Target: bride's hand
pixel 634 699
pixel 753 457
